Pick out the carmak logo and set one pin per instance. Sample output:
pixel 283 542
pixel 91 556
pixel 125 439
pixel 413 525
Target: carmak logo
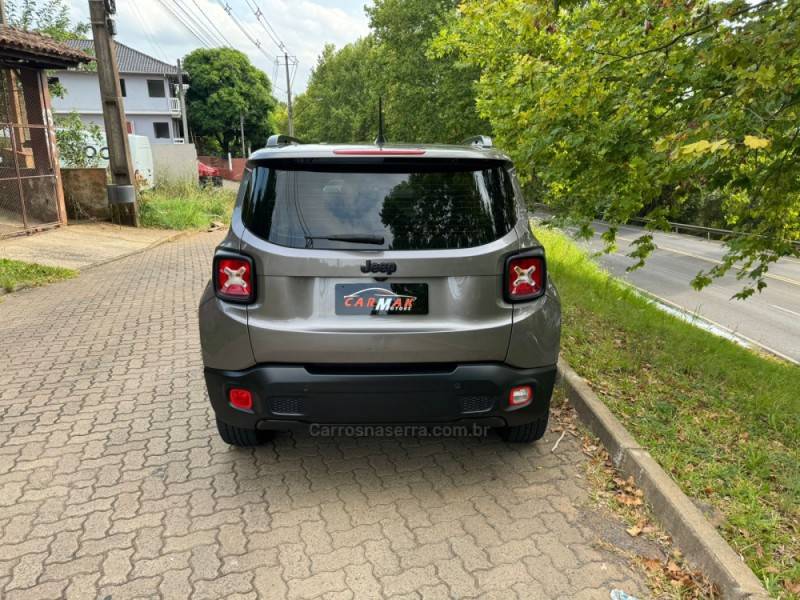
pixel 380 300
pixel 390 299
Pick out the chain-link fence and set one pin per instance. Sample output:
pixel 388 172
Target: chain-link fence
pixel 28 193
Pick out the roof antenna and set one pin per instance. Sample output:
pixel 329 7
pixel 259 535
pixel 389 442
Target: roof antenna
pixel 381 139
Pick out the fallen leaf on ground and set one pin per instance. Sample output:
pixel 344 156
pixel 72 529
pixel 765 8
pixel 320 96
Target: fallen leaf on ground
pixel 629 500
pixel 793 587
pixel 652 564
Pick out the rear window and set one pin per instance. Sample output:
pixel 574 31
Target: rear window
pixel 400 205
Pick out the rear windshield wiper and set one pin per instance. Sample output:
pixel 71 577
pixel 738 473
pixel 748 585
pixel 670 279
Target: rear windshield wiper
pixel 355 238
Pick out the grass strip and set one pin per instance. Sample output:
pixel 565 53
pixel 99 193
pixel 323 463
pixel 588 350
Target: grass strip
pixel 186 206
pixel 15 273
pixel 723 420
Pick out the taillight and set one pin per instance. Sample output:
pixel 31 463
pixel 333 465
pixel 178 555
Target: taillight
pixel 234 279
pixel 525 277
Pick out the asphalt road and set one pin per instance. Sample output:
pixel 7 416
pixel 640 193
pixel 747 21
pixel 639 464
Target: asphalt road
pixel 771 319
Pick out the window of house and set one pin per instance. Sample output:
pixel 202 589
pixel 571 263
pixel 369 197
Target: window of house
pixel 161 130
pixel 155 88
pixel 122 87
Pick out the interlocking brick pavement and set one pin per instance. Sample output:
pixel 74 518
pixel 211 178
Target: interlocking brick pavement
pixel 114 484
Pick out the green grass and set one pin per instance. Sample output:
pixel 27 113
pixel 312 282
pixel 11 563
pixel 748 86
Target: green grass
pixel 185 207
pixel 724 421
pixel 15 273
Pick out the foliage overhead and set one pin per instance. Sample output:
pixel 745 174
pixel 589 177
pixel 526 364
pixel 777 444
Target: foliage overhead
pixel 664 109
pixel 224 85
pixel 426 98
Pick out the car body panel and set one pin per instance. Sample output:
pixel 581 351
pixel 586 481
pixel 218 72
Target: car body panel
pixel 294 318
pixel 293 321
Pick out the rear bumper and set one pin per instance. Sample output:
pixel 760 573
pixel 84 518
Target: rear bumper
pixel 292 396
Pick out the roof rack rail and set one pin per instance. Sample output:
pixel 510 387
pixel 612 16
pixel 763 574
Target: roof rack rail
pixel 281 140
pixel 482 141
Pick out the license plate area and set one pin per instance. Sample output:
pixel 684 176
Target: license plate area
pixel 382 298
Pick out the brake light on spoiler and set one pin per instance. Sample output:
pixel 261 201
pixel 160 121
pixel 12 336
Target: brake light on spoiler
pixel 380 152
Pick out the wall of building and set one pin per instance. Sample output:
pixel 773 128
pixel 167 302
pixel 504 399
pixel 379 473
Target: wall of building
pixel 83 93
pixel 143 125
pixel 83 96
pixel 175 163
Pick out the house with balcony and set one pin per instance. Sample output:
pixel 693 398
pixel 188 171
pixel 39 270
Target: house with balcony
pixel 149 89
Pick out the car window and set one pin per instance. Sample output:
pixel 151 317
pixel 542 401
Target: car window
pixel 455 204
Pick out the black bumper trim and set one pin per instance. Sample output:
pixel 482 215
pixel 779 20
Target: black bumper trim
pixel 291 396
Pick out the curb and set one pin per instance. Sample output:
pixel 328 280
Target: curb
pixel 156 244
pixel 697 538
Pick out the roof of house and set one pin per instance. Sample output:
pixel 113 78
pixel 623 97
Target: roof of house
pixel 130 60
pixel 26 48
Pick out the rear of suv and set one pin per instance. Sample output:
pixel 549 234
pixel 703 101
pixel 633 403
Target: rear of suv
pixel 389 284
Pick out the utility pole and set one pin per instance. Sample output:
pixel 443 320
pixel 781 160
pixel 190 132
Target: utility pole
pixel 241 129
pixel 122 193
pixel 2 13
pixel 182 98
pixel 289 95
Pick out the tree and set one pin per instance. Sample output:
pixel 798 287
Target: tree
pixel 426 98
pixel 430 98
pixel 50 17
pixel 223 86
pixel 279 119
pixel 617 109
pixel 340 103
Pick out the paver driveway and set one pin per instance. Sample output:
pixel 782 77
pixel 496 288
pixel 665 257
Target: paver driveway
pixel 113 483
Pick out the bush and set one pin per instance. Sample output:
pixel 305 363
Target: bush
pixel 73 137
pixel 185 206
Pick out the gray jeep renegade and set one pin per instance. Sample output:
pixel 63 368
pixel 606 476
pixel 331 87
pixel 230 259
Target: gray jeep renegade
pixel 379 284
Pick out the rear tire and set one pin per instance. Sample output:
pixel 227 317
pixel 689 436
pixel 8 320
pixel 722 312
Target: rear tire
pixel 525 434
pixel 243 438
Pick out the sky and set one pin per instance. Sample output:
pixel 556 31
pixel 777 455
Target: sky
pixel 304 26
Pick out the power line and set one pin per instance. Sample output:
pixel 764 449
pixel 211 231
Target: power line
pixel 198 24
pixel 266 26
pixel 172 11
pixel 227 8
pixel 149 32
pixel 210 22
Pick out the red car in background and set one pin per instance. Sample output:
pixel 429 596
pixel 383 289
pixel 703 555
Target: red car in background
pixel 209 175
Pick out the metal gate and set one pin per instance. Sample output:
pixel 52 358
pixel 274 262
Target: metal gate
pixel 28 182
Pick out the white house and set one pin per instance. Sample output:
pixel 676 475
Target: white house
pixel 148 86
